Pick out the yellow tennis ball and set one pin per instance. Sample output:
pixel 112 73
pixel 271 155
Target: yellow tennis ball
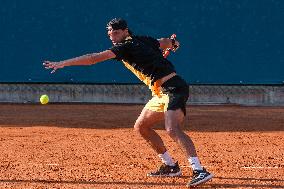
pixel 44 99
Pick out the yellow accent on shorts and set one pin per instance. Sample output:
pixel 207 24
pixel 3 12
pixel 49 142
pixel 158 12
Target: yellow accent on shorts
pixel 158 103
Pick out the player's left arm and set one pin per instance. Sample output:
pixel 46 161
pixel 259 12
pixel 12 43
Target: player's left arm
pixel 88 59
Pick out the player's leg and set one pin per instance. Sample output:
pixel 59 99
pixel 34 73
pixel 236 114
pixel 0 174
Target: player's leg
pixel 150 116
pixel 173 122
pixel 173 125
pixel 177 92
pixel 143 126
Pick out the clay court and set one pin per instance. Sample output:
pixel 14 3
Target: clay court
pixel 94 146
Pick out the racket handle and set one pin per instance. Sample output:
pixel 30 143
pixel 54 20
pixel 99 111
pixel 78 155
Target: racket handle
pixel 167 51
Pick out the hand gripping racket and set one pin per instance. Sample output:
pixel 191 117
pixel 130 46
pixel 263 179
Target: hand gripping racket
pixel 167 51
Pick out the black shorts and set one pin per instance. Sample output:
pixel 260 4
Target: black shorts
pixel 178 91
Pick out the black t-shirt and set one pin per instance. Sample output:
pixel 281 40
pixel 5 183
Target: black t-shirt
pixel 142 54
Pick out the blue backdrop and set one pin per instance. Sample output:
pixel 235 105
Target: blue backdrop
pixel 222 41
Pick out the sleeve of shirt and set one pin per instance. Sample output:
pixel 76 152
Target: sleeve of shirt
pixel 119 51
pixel 155 42
pixel 152 41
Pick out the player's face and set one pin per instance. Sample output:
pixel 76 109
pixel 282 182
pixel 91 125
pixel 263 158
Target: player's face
pixel 117 36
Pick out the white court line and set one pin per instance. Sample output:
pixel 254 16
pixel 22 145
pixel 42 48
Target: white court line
pixel 186 166
pixel 246 167
pixel 259 167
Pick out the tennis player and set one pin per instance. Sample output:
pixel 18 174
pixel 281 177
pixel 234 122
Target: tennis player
pixel 143 56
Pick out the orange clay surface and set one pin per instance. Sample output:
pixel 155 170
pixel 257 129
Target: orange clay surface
pixel 94 146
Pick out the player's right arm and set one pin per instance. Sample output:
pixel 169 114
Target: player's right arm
pixel 88 59
pixel 167 43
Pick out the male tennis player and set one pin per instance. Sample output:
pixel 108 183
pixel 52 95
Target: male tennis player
pixel 143 56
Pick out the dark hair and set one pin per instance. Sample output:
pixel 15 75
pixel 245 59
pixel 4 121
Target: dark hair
pixel 118 23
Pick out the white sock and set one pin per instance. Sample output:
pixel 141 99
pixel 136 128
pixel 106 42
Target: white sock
pixel 195 163
pixel 166 159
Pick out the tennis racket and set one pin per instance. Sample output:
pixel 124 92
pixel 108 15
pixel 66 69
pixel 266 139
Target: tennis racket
pixel 167 51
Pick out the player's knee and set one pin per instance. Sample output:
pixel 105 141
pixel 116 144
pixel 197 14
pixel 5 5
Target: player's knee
pixel 137 127
pixel 172 132
pixel 140 127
